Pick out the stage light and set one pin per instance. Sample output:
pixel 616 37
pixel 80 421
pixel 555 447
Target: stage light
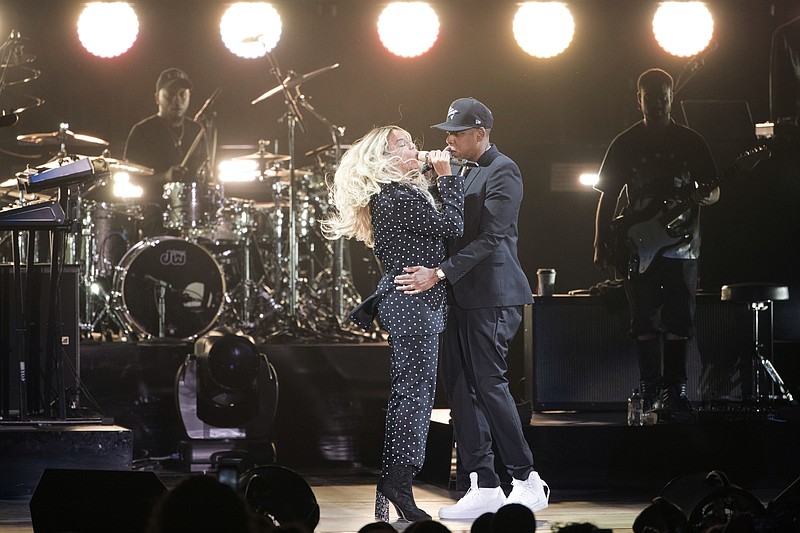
pixel 408 29
pixel 250 29
pixel 227 395
pixel 568 176
pixel 683 28
pixel 123 188
pixel 588 179
pixel 108 29
pixel 237 170
pixel 543 29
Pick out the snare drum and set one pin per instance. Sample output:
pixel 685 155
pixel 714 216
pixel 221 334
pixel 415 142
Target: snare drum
pixel 187 276
pixel 109 230
pixel 191 205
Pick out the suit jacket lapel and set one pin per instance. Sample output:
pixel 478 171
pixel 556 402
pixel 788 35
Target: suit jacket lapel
pixel 469 177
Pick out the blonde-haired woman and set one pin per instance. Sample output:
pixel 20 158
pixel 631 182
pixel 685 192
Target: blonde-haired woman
pixel 382 199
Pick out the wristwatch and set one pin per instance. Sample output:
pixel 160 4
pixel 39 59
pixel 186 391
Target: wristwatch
pixel 440 274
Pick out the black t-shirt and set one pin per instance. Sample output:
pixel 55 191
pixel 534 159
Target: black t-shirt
pixel 154 144
pixel 656 163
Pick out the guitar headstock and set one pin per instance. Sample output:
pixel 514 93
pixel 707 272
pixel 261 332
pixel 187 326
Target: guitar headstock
pixel 747 160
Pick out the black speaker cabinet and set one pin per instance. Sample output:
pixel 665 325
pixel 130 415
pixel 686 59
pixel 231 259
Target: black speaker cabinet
pixel 579 355
pixel 94 501
pixel 40 383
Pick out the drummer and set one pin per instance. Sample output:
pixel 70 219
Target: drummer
pixel 161 142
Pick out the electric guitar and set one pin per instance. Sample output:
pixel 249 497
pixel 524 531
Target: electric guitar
pixel 639 237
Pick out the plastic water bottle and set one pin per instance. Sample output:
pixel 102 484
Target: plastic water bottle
pixel 635 409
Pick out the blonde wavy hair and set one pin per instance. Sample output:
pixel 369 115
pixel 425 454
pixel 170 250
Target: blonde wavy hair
pixel 364 168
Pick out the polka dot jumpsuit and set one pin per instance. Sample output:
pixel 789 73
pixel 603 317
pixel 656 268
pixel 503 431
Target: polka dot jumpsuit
pixel 409 231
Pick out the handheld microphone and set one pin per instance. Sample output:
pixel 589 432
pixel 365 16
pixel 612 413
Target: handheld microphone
pixel 424 156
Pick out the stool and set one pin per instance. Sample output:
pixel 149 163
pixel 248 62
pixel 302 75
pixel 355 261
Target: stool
pixel 759 297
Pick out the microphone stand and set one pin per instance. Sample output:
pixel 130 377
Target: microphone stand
pixel 161 287
pixel 337 270
pixel 290 86
pixel 294 119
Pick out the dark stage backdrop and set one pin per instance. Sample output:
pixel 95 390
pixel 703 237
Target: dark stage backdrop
pixel 564 109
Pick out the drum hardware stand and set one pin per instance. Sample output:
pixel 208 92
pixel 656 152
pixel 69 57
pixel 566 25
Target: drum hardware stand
pixel 294 100
pixel 339 280
pixel 161 287
pixel 107 312
pixel 290 87
pixel 248 286
pixel 761 362
pixel 162 309
pixel 93 291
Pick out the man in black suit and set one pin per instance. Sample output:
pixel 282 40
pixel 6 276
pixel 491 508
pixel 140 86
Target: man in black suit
pixel 486 291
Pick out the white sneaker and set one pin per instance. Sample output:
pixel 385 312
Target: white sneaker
pixel 533 493
pixel 475 502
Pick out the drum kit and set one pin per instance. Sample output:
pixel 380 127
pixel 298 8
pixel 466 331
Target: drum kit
pixel 254 262
pixel 223 261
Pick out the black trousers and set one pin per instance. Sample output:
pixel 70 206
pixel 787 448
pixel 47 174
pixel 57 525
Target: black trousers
pixel 475 347
pixel 663 298
pixel 408 416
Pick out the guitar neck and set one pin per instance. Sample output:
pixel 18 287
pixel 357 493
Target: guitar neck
pixel 681 205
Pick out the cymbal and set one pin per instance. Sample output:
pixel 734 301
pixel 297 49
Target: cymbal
pixel 264 156
pixel 127 166
pixel 15 52
pixel 293 80
pixel 327 148
pixel 57 137
pixel 281 173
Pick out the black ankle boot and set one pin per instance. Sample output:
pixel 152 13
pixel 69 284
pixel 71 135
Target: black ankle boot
pixel 674 398
pixel 395 487
pixel 651 395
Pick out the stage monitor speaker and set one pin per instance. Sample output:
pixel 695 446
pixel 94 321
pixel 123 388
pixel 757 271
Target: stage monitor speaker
pixel 94 501
pixel 68 342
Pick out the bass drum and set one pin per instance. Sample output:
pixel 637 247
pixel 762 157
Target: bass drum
pixel 187 276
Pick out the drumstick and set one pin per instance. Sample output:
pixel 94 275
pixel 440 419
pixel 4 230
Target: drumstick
pixel 193 147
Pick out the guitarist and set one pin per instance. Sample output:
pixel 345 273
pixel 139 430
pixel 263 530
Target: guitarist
pixel 656 160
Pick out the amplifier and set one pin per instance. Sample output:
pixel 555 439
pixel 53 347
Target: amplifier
pixel 578 354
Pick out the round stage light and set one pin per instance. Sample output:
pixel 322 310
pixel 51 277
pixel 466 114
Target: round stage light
pixel 408 29
pixel 250 29
pixel 543 29
pixel 233 362
pixel 683 29
pixel 108 29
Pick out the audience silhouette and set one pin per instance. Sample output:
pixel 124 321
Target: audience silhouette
pixel 200 504
pixel 514 518
pixel 482 524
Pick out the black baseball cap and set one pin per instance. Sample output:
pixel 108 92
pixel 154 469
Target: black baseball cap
pixel 466 113
pixel 170 77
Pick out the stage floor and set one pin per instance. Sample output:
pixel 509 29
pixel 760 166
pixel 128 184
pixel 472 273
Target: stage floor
pixel 346 498
pixel 329 429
